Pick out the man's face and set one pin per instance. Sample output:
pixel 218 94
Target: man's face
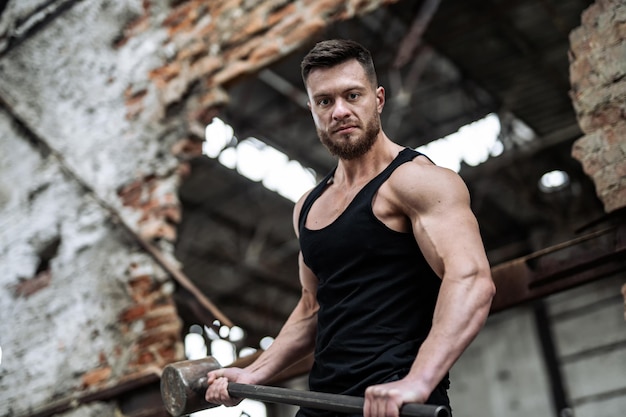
pixel 346 108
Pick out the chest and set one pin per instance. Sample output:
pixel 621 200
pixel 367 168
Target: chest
pixel 336 202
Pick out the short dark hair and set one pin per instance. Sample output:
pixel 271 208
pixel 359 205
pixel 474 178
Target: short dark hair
pixel 327 54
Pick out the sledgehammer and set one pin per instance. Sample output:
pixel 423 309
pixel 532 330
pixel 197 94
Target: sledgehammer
pixel 183 385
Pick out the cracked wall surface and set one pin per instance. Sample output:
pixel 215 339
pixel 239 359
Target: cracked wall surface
pixel 100 104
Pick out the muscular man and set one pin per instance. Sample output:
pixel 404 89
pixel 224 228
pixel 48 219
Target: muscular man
pixel 395 280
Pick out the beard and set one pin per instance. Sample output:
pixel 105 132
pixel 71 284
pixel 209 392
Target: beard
pixel 348 148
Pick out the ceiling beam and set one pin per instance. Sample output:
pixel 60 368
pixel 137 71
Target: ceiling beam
pixel 284 87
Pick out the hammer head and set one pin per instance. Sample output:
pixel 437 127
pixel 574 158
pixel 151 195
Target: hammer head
pixel 183 385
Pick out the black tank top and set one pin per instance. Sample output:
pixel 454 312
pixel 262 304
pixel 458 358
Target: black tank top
pixel 376 293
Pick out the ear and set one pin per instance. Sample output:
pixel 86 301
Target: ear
pixel 380 98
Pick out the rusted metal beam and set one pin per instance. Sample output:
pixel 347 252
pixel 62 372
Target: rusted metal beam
pixel 560 267
pixel 113 390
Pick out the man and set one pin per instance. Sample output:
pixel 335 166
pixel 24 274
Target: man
pixel 395 280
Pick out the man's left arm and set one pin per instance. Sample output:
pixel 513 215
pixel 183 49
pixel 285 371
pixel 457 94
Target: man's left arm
pixel 448 235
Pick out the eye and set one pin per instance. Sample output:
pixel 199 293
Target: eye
pixel 323 102
pixel 353 96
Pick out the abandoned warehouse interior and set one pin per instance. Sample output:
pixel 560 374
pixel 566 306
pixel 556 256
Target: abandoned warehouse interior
pixel 124 229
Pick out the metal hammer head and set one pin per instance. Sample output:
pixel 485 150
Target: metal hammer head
pixel 183 385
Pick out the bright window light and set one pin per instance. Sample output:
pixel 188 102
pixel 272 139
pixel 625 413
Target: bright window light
pixel 236 334
pixel 223 351
pixel 228 158
pixel 245 408
pixel 553 181
pixel 258 161
pixel 247 351
pixel 224 332
pixel 195 347
pixel 266 342
pixel 218 135
pixel 473 143
pixel 290 180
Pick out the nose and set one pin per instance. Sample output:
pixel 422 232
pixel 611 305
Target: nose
pixel 341 110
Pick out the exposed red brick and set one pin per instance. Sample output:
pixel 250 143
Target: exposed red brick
pixel 606 180
pixel 254 24
pixel 131 194
pixel 265 52
pixel 187 148
pixel 581 70
pixel 309 29
pixel 164 74
pixel 291 23
pixel 158 320
pixel 280 13
pixel 146 357
pixel 204 115
pixel 163 307
pixel 171 213
pixel 614 200
pixel 324 8
pixel 96 377
pixel 614 134
pixel 157 228
pixel 28 287
pixel 238 52
pixel 205 66
pixel 137 26
pixel 598 78
pixel 580 42
pixel 169 353
pixel 164 334
pixel 608 114
pixel 132 313
pixel 592 163
pixel 141 285
pixel 590 16
pixel 192 51
pixel 180 16
pixel 134 102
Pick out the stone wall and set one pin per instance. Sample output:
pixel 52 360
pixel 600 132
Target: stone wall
pixel 101 103
pixel 598 80
pixel 498 378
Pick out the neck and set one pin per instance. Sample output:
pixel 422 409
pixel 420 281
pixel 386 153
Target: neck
pixel 364 168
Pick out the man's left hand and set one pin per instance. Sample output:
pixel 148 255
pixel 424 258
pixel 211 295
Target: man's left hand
pixel 385 400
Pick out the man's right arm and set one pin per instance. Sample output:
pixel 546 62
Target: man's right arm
pixel 295 341
pixel 297 336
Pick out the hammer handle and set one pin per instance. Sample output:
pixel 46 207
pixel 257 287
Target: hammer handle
pixel 330 402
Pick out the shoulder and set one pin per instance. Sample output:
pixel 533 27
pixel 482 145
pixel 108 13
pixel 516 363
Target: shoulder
pixel 297 209
pixel 421 184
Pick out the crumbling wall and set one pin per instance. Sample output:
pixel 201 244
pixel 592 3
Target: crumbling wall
pixel 101 102
pixel 83 307
pixel 598 79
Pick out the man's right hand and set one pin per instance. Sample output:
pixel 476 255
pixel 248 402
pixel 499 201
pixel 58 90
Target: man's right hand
pixel 218 380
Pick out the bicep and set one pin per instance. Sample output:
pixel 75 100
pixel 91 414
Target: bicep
pixel 447 231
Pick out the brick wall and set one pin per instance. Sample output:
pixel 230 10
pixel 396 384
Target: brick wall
pixel 598 80
pixel 102 102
